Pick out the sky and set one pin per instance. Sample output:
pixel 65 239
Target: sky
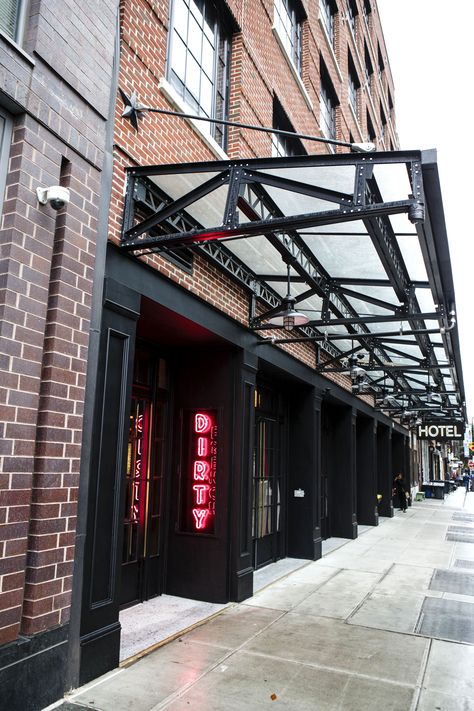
pixel 430 52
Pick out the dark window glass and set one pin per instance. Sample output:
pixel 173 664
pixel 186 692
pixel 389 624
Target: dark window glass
pixel 198 61
pixel 351 15
pixel 284 145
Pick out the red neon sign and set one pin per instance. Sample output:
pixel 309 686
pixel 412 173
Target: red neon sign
pixel 137 470
pixel 203 471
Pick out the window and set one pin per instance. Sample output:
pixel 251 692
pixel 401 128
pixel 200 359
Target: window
pixel 198 60
pixel 288 27
pixel 5 141
pixel 354 84
pixel 351 15
pixel 367 11
pixel 284 145
pixel 369 70
pixel 383 121
pixel 11 18
pixel 327 12
pixel 328 105
pixel 371 136
pixel 381 65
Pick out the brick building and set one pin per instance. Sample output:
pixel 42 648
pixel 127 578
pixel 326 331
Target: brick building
pixel 147 431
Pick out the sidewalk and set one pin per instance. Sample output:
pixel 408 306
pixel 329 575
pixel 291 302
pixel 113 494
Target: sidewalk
pixel 385 622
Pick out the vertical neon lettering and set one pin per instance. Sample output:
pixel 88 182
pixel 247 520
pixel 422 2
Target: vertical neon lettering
pixel 200 517
pixel 202 422
pixel 201 493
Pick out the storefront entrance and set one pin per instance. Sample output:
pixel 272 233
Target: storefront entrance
pixel 142 553
pixel 269 479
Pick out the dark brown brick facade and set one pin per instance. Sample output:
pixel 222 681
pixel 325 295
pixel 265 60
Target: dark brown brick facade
pixel 46 273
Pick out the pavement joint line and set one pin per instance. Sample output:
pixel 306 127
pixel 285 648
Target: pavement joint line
pixel 421 676
pixel 326 667
pixel 367 596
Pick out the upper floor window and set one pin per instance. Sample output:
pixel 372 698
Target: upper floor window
pixel 327 12
pixel 198 60
pixel 11 18
pixel 381 64
pixel 288 26
pixel 351 15
pixel 371 135
pixel 353 84
pixel 5 141
pixel 369 70
pixel 284 145
pixel 328 105
pixel 367 10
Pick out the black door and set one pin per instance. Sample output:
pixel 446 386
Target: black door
pixel 142 554
pixel 269 487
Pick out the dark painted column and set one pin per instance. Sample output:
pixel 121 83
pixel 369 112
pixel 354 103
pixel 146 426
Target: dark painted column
pixel 367 472
pixel 384 470
pixel 343 475
pixel 100 627
pixel 304 531
pixel 241 568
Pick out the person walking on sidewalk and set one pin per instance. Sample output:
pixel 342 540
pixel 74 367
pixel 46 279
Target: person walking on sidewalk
pixel 466 480
pixel 399 484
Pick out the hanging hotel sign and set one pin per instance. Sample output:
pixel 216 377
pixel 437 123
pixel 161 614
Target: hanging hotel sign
pixel 441 430
pixel 200 497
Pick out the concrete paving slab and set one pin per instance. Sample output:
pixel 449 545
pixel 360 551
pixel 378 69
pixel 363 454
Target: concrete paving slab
pixel 450 671
pixel 282 596
pixel 339 596
pixel 334 644
pixel 316 573
pixel 256 682
pixel 234 626
pixel 145 684
pixel 431 700
pixel 386 610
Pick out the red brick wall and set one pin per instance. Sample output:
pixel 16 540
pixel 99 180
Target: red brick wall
pixel 259 71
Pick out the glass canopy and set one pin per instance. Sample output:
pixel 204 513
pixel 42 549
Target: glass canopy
pixel 353 244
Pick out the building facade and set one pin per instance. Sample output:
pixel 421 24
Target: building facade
pixel 151 443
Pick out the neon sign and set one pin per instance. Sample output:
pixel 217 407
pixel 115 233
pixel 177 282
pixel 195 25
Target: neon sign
pixel 137 469
pixel 203 470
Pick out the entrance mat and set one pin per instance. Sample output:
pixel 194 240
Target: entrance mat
pixel 460 537
pixel 452 582
pixel 68 706
pixel 463 517
pixel 459 563
pixel 447 619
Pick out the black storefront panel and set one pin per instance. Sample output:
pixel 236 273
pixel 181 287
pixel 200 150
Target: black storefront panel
pixel 201 466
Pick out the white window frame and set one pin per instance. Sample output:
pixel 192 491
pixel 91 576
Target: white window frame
pixel 218 84
pixel 289 30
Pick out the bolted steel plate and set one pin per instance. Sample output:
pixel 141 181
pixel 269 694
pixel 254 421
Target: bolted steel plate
pixel 453 582
pixel 463 517
pixel 447 619
pixel 460 563
pixel 459 538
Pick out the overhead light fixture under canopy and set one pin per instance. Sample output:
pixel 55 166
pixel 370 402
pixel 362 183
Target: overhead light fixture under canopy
pixel 288 317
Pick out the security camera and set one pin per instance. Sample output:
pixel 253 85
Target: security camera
pixel 56 196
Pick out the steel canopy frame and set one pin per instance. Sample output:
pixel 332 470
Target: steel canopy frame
pixel 244 198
